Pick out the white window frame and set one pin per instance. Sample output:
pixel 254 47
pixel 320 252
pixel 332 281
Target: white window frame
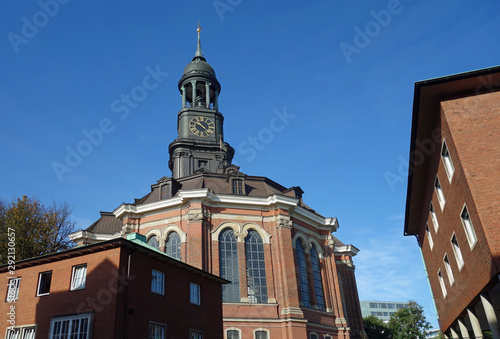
pixel 232 329
pixel 21 332
pixel 434 219
pixel 82 316
pixel 158 282
pixel 468 227
pixel 441 283
pixel 315 334
pixel 439 192
pixel 447 162
pixel 429 236
pixel 456 250
pixel 448 269
pixel 78 277
pixel 13 289
pixel 262 330
pixel 38 294
pixel 160 325
pixel 195 294
pixel 195 334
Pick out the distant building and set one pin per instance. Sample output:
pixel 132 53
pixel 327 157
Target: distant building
pixel 114 289
pixel 380 309
pixel 453 202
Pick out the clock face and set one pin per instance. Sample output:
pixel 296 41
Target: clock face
pixel 202 126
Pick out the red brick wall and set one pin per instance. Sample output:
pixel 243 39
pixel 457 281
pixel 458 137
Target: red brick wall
pixel 470 127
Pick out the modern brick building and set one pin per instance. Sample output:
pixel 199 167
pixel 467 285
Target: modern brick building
pixel 290 277
pixel 453 197
pixel 114 289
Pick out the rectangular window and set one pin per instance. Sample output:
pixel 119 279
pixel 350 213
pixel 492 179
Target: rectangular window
pixel 391 306
pixel 373 305
pixel 383 305
pixel 400 306
pixel 468 227
pixel 374 313
pixel 13 289
pixel 195 296
pixel 429 236
pixel 21 332
pixel 195 334
pixel 77 326
pixel 158 282
pixel 233 334
pixel 448 164
pixel 447 266
pixel 457 251
pixel 79 277
pixel 261 334
pixel 44 280
pixel 157 331
pixel 441 283
pixel 386 314
pixel 165 192
pixel 433 217
pixel 439 193
pixel 237 186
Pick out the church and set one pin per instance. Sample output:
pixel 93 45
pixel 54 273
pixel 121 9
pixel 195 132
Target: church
pixel 290 277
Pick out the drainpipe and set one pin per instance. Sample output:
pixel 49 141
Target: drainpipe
pixel 127 294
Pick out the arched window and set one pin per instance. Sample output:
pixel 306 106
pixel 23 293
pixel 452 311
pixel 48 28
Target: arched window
pixel 229 267
pixel 305 294
pixel 318 282
pixel 233 334
pixel 173 245
pixel 256 268
pixel 153 241
pixel 261 334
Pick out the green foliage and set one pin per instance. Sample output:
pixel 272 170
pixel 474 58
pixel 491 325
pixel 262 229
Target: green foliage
pixel 375 328
pixel 33 229
pixel 409 323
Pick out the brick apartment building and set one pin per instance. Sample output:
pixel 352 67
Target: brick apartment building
pixel 289 276
pixel 453 197
pixel 113 289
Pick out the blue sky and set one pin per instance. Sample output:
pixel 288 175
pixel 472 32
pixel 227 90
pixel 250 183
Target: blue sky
pixel 342 72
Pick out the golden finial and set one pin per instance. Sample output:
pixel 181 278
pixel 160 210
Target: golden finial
pixel 199 27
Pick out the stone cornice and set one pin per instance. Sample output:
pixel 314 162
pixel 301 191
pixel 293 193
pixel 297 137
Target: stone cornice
pixel 226 200
pixel 349 250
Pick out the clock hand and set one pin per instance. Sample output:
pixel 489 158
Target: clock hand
pixel 199 123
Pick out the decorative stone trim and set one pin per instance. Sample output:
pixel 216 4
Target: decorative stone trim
pixel 283 222
pixel 195 217
pixel 292 310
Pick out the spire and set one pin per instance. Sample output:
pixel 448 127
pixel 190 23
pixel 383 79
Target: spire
pixel 199 53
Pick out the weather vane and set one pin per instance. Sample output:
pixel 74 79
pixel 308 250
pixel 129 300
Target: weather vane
pixel 199 28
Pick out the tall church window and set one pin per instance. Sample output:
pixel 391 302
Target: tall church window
pixel 256 268
pixel 173 245
pixel 305 294
pixel 153 241
pixel 229 266
pixel 237 186
pixel 318 282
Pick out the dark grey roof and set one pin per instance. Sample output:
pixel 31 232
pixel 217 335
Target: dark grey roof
pixel 107 224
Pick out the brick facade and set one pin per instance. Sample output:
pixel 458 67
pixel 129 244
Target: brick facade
pixel 462 113
pixel 117 293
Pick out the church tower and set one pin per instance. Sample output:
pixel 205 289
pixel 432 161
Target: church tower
pixel 200 145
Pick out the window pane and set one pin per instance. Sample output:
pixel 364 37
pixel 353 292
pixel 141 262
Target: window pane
pixel 233 334
pixel 260 335
pixel 79 277
pixel 13 289
pixel 256 268
pixel 318 282
pixel 195 296
pixel 173 245
pixel 153 241
pixel 229 266
pixel 157 282
pixel 44 283
pixel 305 294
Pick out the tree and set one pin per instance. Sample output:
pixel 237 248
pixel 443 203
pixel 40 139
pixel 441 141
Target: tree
pixel 409 322
pixel 375 328
pixel 33 229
